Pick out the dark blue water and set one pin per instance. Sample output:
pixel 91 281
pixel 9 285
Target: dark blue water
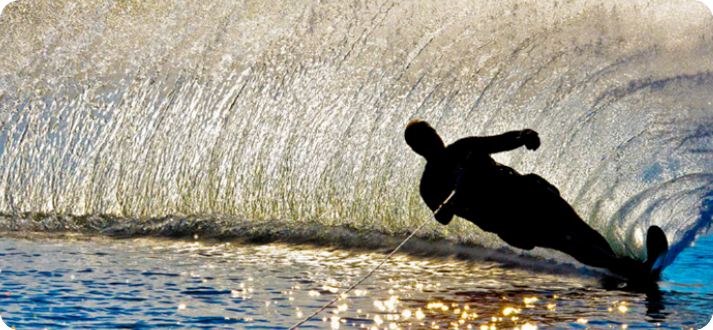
pixel 690 278
pixel 689 270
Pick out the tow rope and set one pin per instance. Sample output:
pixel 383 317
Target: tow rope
pixel 433 216
pixel 345 293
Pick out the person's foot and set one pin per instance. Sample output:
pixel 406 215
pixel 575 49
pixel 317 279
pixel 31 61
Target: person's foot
pixel 629 268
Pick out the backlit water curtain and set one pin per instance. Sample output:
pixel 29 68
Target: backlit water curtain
pixel 293 112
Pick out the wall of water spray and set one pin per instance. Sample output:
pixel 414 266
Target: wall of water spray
pixel 294 110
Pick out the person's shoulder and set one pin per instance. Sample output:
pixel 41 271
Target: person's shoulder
pixel 465 142
pixel 461 146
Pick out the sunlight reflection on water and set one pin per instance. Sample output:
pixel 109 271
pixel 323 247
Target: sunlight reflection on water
pixel 148 283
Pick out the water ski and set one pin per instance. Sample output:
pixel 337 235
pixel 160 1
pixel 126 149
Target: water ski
pixel 638 274
pixel 656 251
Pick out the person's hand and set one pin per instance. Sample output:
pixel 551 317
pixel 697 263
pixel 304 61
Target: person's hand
pixel 532 140
pixel 445 212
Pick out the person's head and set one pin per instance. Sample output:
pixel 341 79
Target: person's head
pixel 423 139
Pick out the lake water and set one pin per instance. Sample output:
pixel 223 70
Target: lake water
pixel 83 282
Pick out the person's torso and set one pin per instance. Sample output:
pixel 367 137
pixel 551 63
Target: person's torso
pixel 484 186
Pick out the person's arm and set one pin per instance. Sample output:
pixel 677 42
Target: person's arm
pixel 503 142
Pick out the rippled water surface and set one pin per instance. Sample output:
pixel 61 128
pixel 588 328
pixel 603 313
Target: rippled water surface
pixel 95 283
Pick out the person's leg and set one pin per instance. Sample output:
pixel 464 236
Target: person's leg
pixel 518 241
pixel 552 223
pixel 527 211
pixel 551 215
pixel 584 251
pixel 593 255
pixel 629 268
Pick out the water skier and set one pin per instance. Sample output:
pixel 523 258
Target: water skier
pixel 525 211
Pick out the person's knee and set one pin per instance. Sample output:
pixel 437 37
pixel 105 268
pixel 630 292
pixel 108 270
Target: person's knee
pixel 518 241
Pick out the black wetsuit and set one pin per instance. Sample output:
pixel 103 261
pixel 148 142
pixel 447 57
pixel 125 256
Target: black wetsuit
pixel 524 210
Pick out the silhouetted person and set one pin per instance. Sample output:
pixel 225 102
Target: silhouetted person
pixel 524 210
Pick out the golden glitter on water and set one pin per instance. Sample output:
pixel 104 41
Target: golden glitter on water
pixel 380 305
pixel 510 310
pixel 378 320
pixel 529 301
pixel 392 306
pixel 406 314
pixel 528 326
pixel 391 303
pixel 420 315
pixel 335 322
pixel 622 308
pixel 434 305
